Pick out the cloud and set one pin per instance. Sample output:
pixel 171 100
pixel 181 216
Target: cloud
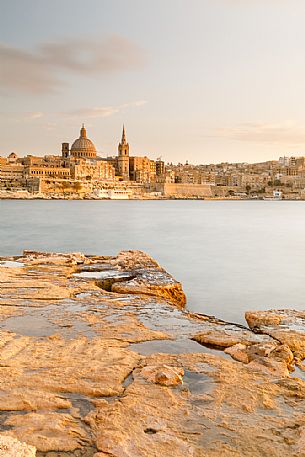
pixel 140 103
pixel 35 115
pixel 37 72
pixel 113 54
pixel 23 71
pixel 91 113
pixel 286 133
pixel 21 116
pixel 100 112
pixel 50 119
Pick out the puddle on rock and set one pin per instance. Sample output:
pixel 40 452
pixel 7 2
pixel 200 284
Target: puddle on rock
pixel 298 373
pixel 183 346
pixel 98 267
pixel 83 295
pixel 160 316
pixel 30 325
pixel 74 306
pixel 197 383
pixel 80 402
pixel 43 323
pixel 11 264
pixel 4 415
pixel 102 274
pixel 119 299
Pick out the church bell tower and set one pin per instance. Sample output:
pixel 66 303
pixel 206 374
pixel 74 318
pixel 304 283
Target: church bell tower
pixel 65 150
pixel 123 157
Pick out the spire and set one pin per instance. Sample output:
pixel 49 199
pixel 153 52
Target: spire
pixel 83 132
pixel 124 135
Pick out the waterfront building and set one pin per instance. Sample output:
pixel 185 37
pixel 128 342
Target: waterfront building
pixel 123 157
pixel 81 171
pixel 78 170
pixel 12 172
pixel 140 169
pixel 46 171
pixel 160 167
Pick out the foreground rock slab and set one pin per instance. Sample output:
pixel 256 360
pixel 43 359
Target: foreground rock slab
pixel 99 358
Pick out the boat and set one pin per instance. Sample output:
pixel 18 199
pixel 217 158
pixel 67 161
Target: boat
pixel 277 196
pixel 119 194
pixel 112 194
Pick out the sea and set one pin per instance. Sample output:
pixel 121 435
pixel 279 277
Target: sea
pixel 230 256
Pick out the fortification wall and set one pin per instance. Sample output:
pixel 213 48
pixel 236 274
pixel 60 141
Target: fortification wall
pixel 184 190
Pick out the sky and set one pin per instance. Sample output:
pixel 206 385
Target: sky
pixel 206 81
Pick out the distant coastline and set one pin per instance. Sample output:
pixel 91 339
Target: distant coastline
pixel 13 196
pixel 80 173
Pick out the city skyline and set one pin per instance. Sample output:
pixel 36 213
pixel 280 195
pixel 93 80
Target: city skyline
pixel 194 81
pixel 109 155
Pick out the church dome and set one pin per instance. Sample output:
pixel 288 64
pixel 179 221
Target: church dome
pixel 13 155
pixel 83 147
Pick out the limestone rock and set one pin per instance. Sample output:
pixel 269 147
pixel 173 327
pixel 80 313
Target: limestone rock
pixel 163 375
pixel 11 447
pixel 75 379
pixel 269 366
pixel 225 335
pixel 36 258
pixel 256 319
pixel 286 326
pixel 282 353
pixel 149 278
pixel 238 352
pixel 259 350
pixel 273 358
pixel 49 431
pixel 135 260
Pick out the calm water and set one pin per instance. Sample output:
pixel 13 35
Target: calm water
pixel 230 256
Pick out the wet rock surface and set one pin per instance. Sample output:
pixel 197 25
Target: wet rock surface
pixel 98 358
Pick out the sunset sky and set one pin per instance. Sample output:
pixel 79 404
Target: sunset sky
pixel 198 80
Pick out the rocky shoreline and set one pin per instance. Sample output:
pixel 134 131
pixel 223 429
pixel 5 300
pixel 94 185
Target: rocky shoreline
pixel 100 358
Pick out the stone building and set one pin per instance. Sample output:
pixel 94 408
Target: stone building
pixel 78 170
pixel 12 158
pixel 160 167
pixel 83 162
pixel 123 157
pixel 82 147
pixel 30 160
pixel 92 170
pixel 3 161
pixel 12 172
pixel 45 171
pixel 139 169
